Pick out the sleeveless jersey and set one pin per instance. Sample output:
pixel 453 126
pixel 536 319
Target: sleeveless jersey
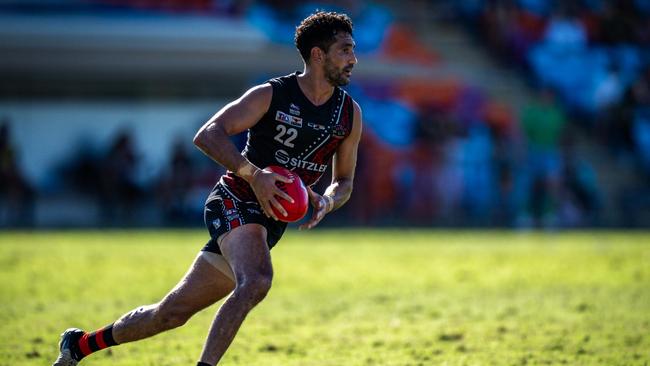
pixel 295 134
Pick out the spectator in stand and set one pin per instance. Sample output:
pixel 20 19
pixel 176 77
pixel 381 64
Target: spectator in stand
pixel 616 129
pixel 16 194
pixel 542 122
pixel 579 194
pixel 635 198
pixel 505 206
pixel 175 187
pixel 119 188
pixel 415 178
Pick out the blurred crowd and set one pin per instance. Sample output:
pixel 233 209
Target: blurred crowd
pixel 437 152
pixel 112 179
pixel 594 55
pixel 456 157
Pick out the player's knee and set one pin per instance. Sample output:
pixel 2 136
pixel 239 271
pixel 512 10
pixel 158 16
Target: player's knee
pixel 170 316
pixel 253 289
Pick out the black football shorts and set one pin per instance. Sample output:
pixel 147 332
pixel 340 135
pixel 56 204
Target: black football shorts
pixel 224 212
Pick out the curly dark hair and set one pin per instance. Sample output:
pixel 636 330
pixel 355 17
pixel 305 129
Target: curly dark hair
pixel 319 30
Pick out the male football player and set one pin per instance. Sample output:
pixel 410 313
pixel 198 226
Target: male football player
pixel 300 121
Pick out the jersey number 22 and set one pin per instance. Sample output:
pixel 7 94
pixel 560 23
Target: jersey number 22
pixel 285 135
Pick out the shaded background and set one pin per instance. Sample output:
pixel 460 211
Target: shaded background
pixel 521 113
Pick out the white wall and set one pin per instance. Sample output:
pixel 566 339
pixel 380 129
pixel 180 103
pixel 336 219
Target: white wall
pixel 45 133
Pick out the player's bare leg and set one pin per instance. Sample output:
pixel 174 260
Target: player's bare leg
pixel 202 286
pixel 246 250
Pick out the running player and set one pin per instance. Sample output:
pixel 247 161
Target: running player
pixel 300 121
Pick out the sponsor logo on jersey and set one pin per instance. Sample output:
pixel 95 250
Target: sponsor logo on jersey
pixel 294 109
pixel 283 158
pixel 231 214
pixel 316 126
pixel 338 132
pixel 288 119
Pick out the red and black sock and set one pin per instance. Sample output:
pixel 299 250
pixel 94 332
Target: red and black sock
pixel 95 341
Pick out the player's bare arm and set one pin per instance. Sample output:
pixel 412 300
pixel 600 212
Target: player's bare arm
pixel 213 139
pixel 343 167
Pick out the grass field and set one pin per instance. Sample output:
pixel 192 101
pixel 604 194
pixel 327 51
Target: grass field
pixel 388 297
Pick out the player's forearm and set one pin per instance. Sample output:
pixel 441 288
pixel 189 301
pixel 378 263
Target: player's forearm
pixel 214 142
pixel 340 192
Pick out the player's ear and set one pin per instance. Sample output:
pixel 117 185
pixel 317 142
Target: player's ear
pixel 317 55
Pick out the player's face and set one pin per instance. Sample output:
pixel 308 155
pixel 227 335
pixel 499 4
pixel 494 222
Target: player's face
pixel 339 60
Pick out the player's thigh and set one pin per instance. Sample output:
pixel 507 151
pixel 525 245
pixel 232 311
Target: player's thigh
pixel 246 250
pixel 200 287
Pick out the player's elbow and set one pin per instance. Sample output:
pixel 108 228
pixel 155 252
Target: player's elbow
pixel 199 139
pixel 208 135
pixel 202 139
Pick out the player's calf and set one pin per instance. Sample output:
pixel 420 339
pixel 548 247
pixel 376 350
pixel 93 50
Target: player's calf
pixel 149 320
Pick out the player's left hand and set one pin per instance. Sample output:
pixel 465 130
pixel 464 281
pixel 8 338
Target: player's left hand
pixel 319 203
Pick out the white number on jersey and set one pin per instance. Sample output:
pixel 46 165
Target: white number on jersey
pixel 285 135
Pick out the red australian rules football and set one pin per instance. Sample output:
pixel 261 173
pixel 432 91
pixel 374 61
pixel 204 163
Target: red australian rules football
pixel 297 191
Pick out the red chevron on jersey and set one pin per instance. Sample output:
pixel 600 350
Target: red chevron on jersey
pixel 228 204
pixel 234 223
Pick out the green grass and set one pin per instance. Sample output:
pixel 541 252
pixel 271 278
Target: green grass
pixel 358 297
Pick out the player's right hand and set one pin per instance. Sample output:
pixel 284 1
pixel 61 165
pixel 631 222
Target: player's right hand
pixel 265 189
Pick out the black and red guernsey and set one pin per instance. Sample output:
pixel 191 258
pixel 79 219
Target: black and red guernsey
pixel 295 134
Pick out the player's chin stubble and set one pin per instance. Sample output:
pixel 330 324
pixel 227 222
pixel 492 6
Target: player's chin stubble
pixel 336 77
